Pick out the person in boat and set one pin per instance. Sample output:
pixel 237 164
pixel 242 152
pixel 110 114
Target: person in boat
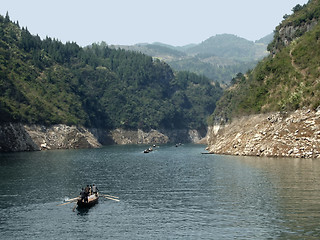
pixel 82 195
pixel 86 190
pixel 94 189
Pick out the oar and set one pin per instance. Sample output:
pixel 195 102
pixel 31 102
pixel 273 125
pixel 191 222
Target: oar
pixel 64 204
pixel 109 196
pixel 102 193
pixel 117 200
pixel 69 201
pixel 72 199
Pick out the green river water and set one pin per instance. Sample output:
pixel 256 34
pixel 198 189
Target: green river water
pixel 170 193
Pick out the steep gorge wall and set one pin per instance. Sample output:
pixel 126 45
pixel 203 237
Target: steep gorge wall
pixel 296 134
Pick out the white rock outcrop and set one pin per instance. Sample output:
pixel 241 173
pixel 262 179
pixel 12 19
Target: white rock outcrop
pixel 295 134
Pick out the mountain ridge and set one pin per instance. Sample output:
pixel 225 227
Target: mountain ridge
pixel 219 57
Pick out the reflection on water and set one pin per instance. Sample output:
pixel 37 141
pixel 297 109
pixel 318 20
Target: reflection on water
pixel 170 193
pixel 297 183
pixel 82 211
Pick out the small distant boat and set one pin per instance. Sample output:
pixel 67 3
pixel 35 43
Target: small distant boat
pixel 148 150
pixel 92 200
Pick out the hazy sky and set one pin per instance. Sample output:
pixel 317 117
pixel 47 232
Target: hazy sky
pixel 175 22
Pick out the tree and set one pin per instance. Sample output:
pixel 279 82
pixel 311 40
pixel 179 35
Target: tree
pixel 286 16
pixel 7 18
pixel 297 8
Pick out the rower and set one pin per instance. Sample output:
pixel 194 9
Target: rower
pixel 94 189
pixel 86 190
pixel 82 195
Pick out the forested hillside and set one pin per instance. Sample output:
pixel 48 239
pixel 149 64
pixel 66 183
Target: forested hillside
pixel 286 80
pixel 44 81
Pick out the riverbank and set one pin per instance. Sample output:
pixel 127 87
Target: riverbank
pixel 16 137
pixel 295 134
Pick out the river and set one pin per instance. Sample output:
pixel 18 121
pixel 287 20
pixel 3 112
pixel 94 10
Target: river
pixel 170 193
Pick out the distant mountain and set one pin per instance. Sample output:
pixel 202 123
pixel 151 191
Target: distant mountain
pixel 161 51
pixel 219 58
pixel 228 46
pixel 179 48
pixel 266 40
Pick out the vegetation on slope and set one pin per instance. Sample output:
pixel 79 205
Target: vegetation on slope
pixel 48 82
pixel 285 81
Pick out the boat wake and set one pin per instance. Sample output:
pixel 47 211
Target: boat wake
pixel 10 195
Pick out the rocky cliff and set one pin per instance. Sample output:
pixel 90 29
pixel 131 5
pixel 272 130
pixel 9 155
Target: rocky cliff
pixel 61 137
pixel 14 137
pixel 121 136
pixel 19 137
pixel 295 134
pixel 303 20
pixel 286 34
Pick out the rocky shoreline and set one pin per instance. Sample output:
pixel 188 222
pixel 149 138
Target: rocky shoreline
pixel 17 137
pixel 295 134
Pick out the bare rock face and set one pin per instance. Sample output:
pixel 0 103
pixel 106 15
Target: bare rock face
pixel 278 135
pixel 121 136
pixel 19 137
pixel 287 34
pixel 62 137
pixel 14 138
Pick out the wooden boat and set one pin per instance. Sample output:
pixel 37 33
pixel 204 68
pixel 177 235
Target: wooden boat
pixel 92 200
